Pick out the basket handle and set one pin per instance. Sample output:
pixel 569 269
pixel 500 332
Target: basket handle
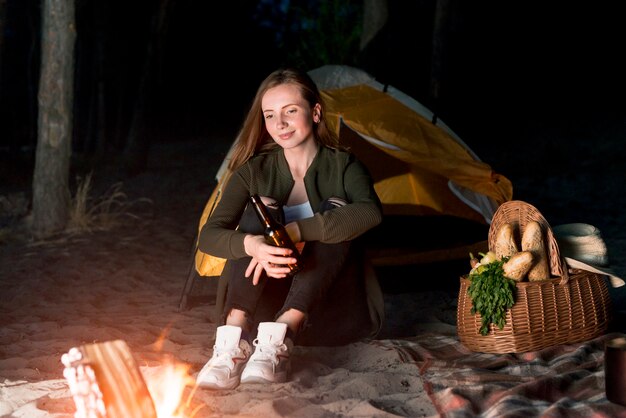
pixel 519 213
pixel 565 276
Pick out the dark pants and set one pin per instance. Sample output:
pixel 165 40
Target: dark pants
pixel 326 269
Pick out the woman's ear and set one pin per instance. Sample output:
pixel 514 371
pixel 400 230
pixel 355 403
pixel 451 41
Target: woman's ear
pixel 317 113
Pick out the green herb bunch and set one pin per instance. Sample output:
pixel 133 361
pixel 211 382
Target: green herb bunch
pixel 492 294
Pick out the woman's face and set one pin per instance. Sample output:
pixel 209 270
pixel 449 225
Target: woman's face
pixel 288 117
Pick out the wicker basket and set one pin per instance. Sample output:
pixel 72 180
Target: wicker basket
pixel 572 306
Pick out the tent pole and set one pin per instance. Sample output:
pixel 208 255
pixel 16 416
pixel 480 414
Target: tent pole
pixel 191 275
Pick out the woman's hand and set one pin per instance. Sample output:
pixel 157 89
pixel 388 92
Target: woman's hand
pixel 266 257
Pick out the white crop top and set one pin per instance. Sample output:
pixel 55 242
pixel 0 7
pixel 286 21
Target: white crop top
pixel 295 212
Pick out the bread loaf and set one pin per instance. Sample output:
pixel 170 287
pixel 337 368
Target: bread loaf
pixel 518 265
pixel 532 241
pixel 505 245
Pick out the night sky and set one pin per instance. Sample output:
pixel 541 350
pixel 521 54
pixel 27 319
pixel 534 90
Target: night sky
pixel 506 65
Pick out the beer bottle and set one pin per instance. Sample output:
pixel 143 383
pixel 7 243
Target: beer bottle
pixel 275 233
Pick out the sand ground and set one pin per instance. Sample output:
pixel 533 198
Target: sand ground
pixel 125 283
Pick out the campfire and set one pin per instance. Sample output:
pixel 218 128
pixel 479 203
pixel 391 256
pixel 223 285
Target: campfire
pixel 106 382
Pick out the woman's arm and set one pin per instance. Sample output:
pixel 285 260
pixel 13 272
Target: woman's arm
pixel 219 236
pixel 363 211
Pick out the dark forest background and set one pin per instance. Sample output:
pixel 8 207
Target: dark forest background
pixel 176 70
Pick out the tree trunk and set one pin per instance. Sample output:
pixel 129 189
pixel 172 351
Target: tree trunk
pixel 89 113
pixel 32 75
pixel 97 115
pixel 375 15
pixel 139 136
pixel 2 24
pixel 51 195
pixel 442 11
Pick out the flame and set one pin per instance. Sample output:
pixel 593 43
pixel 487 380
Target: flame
pixel 167 387
pixel 92 366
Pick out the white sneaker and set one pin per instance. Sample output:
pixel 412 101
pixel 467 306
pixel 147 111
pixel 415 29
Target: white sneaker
pixel 230 354
pixel 270 361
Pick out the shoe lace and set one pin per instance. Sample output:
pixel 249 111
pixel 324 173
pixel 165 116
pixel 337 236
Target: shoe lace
pixel 224 356
pixel 265 351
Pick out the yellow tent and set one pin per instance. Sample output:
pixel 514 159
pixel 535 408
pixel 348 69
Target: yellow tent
pixel 420 168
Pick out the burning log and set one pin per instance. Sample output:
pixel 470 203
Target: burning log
pixel 106 382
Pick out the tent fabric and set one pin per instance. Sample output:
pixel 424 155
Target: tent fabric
pixel 426 150
pixel 420 168
pixel 205 264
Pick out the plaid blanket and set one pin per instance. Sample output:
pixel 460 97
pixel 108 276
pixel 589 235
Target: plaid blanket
pixel 561 381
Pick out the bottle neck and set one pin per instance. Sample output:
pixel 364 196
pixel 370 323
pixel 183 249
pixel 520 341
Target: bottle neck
pixel 262 212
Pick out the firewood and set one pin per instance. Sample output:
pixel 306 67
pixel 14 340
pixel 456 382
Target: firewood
pixel 106 382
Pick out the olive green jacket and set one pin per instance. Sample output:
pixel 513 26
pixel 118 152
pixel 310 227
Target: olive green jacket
pixel 331 174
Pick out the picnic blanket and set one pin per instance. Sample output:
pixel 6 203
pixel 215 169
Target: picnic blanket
pixel 560 381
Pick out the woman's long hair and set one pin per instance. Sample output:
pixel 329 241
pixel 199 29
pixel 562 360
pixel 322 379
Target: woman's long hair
pixel 253 136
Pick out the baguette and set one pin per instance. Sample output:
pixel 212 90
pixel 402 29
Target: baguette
pixel 505 241
pixel 532 240
pixel 518 265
